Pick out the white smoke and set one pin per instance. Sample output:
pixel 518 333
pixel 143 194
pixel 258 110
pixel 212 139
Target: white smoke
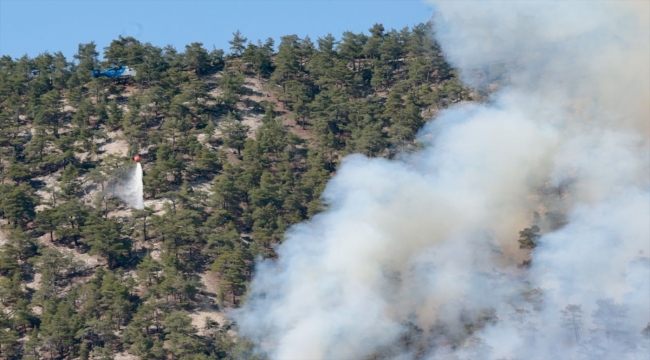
pixel 127 186
pixel 419 258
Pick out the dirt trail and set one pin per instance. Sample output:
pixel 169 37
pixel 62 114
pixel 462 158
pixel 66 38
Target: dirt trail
pixel 207 307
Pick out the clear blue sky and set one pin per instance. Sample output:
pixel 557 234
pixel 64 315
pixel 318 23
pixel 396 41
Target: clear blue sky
pixel 35 26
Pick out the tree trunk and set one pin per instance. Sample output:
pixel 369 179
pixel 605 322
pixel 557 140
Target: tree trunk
pixel 144 228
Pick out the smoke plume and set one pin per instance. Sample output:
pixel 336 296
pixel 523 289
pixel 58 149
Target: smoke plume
pixel 420 258
pixel 126 184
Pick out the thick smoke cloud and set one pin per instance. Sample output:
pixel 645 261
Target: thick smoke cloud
pixel 419 258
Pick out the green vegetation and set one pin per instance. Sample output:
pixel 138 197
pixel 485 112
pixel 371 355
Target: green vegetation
pixel 236 148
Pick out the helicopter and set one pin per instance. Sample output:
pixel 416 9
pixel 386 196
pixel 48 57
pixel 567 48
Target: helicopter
pixel 116 71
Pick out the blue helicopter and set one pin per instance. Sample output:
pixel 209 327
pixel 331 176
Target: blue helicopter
pixel 116 72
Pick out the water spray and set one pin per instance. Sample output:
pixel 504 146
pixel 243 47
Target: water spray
pixel 127 185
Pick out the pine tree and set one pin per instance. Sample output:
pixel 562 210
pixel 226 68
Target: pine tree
pixel 609 318
pixel 286 62
pixel 572 320
pixel 528 237
pixel 197 58
pixel 234 133
pixel 226 194
pixel 18 206
pixel 104 238
pixel 260 58
pixel 351 47
pixel 371 47
pixel 180 334
pixel 232 269
pixel 9 345
pixel 237 43
pixel 87 61
pixel 147 270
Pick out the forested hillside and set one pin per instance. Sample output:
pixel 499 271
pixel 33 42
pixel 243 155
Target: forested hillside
pixel 236 147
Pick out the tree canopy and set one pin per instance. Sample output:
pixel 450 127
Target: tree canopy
pixel 236 148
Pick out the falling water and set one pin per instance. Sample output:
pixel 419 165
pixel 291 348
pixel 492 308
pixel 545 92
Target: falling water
pixel 127 185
